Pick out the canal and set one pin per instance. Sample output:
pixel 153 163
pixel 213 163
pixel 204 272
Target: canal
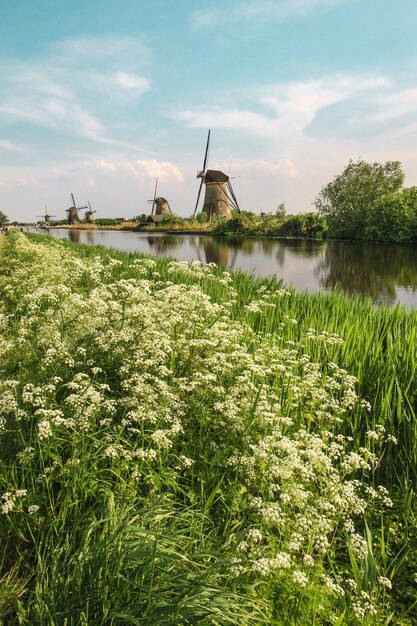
pixel 386 273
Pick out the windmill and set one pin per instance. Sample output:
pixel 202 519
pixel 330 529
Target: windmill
pixel 73 217
pixel 219 197
pixel 89 214
pixel 160 205
pixel 46 218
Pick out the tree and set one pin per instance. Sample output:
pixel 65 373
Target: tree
pixel 202 218
pixel 281 211
pixel 3 218
pixel 348 200
pixel 394 218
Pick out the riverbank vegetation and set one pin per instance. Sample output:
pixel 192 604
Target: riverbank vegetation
pixel 246 223
pixel 181 445
pixel 368 201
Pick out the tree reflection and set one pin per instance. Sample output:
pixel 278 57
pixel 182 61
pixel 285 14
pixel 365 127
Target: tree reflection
pixel 305 248
pixel 368 269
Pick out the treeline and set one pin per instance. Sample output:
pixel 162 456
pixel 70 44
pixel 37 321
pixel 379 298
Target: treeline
pixel 305 225
pixel 278 224
pixel 367 201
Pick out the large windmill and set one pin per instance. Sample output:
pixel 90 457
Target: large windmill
pixel 73 217
pixel 219 197
pixel 89 214
pixel 160 205
pixel 47 218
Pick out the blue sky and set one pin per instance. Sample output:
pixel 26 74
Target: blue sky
pixel 98 98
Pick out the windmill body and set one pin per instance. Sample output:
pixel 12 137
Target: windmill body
pixel 89 214
pixel 73 217
pixel 219 197
pixel 216 199
pixel 47 218
pixel 161 206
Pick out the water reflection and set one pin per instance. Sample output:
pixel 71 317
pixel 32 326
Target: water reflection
pixel 74 235
pixel 386 273
pixel 374 270
pixel 161 246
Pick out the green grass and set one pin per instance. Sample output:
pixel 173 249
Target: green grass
pixel 191 438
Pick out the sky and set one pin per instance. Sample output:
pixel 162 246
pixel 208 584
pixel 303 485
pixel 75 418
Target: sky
pixel 100 98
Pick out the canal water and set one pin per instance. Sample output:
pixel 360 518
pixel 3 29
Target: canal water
pixel 385 273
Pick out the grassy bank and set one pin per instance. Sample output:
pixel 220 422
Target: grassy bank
pixel 185 446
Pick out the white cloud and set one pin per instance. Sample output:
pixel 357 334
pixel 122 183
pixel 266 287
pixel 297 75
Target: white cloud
pixel 107 166
pixel 61 115
pixel 282 167
pixel 283 110
pixel 26 182
pixel 6 144
pixel 259 10
pixel 394 105
pixel 63 91
pixel 140 168
pixel 132 81
pixel 218 117
pixel 154 169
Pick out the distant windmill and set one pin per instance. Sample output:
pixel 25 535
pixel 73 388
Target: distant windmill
pixel 89 214
pixel 73 217
pixel 160 205
pixel 47 218
pixel 219 197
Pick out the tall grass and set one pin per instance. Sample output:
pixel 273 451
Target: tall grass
pixel 379 346
pixel 196 447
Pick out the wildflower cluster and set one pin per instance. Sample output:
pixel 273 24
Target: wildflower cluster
pixel 150 387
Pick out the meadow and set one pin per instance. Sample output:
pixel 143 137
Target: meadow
pixel 183 445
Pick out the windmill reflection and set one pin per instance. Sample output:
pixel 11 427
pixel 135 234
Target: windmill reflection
pixel 74 235
pixel 221 252
pixel 161 245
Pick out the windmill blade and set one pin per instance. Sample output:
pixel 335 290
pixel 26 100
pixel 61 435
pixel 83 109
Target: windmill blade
pixel 73 201
pixel 198 197
pixel 89 205
pixel 169 207
pixel 232 193
pixel 206 153
pixel 154 196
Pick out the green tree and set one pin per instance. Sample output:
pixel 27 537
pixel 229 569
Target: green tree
pixel 202 218
pixel 3 218
pixel 281 211
pixel 394 218
pixel 348 200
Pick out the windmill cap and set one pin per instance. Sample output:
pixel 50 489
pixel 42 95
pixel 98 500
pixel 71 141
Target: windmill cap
pixel 215 176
